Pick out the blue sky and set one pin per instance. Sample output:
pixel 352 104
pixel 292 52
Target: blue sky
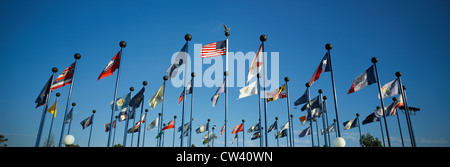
pixel 406 36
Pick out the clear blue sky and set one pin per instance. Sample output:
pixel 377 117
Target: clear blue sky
pixel 407 36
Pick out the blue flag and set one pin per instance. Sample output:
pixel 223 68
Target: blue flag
pixel 87 122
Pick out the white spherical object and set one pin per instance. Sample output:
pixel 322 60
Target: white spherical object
pixel 68 140
pixel 339 142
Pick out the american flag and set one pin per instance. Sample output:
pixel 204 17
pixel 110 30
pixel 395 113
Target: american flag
pixel 64 78
pixel 214 49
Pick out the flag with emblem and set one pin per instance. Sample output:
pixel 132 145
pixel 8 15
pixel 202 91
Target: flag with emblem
pixel 279 93
pixel 324 66
pixel 251 89
pixel 351 124
pixel 217 94
pixel 365 79
pixel 137 99
pixel 305 132
pixel 256 65
pixel 169 125
pixel 65 78
pixel 389 89
pixel 255 135
pixel 202 128
pixel 157 97
pixel 172 71
pixel 254 128
pixel 121 102
pixel 111 66
pixel 42 98
pixel 87 122
pixel 238 128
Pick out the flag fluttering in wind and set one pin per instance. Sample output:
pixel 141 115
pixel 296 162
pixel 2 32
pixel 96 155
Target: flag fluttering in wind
pixel 238 128
pixel 189 90
pixel 254 128
pixel 217 94
pixel 251 89
pixel 256 65
pixel 305 132
pixel 365 79
pixel 302 99
pixel 214 49
pixel 121 102
pixel 172 71
pixel 157 97
pixel 42 98
pixel 65 78
pixel 170 125
pixel 389 89
pixel 255 135
pixel 351 124
pixel 273 127
pixel 153 124
pixel 87 122
pixel 135 102
pixel 111 67
pixel 107 126
pixel 53 109
pixel 202 128
pixel 324 66
pixel 279 93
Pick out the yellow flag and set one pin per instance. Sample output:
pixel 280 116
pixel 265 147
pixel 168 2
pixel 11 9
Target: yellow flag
pixel 53 109
pixel 157 98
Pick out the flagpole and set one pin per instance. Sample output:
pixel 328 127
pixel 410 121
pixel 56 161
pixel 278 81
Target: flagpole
pixel 328 47
pixel 44 112
pixel 259 106
pixel 113 126
pixel 92 125
pixel 381 128
pixel 227 34
pixel 125 133
pixel 326 112
pixel 144 83
pixel 192 110
pixel 359 127
pixel 77 56
pixel 53 118
pixel 145 125
pixel 323 119
pixel 165 78
pixel 173 140
pixel 243 133
pixel 310 114
pixel 70 124
pixel 278 142
pixel 292 126
pixel 399 126
pixel 374 61
pixel 159 129
pixel 263 38
pixel 122 45
pixel 408 120
pixel 286 79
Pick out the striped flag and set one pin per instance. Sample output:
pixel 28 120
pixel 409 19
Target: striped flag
pixel 214 49
pixel 65 78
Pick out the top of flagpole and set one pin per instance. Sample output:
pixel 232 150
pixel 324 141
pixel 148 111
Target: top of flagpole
pixel 77 56
pixel 188 37
pixel 398 74
pixel 374 60
pixel 263 38
pixel 328 46
pixel 122 44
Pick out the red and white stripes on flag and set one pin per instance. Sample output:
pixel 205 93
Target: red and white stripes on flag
pixel 65 78
pixel 214 49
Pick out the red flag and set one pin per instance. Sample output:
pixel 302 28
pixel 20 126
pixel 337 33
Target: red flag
pixel 223 129
pixel 170 126
pixel 65 78
pixel 324 66
pixel 214 49
pixel 111 67
pixel 237 129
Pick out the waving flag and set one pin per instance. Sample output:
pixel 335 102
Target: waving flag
pixel 170 125
pixel 256 64
pixel 365 79
pixel 237 129
pixel 218 92
pixel 65 78
pixel 214 49
pixel 305 132
pixel 111 67
pixel 251 89
pixel 53 109
pixel 42 98
pixel 324 66
pixel 87 122
pixel 157 97
pixel 389 89
pixel 172 71
pixel 121 102
pixel 351 124
pixel 153 124
pixel 279 93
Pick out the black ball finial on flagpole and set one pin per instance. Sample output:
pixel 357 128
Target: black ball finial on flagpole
pixel 398 74
pixel 320 91
pixel 394 99
pixel 307 85
pixel 165 78
pixel 226 73
pixel 325 98
pixel 93 111
pixel 144 83
pixel 54 69
pixel 328 46
pixel 263 38
pixel 58 94
pixel 276 118
pixel 122 44
pixel 174 117
pixel 74 104
pixel 357 114
pixel 259 75
pixel 188 37
pixel 77 56
pixel 131 88
pixel 374 60
pixel 193 74
pixel 146 110
pixel 286 79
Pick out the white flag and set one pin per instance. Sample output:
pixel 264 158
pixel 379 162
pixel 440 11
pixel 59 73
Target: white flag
pixel 251 89
pixel 256 64
pixel 153 124
pixel 389 89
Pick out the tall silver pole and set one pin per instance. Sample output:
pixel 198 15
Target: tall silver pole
pixel 165 78
pixel 41 125
pixel 92 125
pixel 290 134
pixel 227 34
pixel 323 119
pixel 259 106
pixel 328 47
pixel 125 133
pixel 122 45
pixel 408 120
pixel 374 61
pixel 192 110
pixel 144 83
pixel 53 118
pixel 263 38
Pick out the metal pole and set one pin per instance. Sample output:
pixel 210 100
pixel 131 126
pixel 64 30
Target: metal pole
pixel 173 139
pixel 122 45
pixel 70 124
pixel 41 125
pixel 192 110
pixel 408 120
pixel 259 106
pixel 359 127
pixel 381 128
pixel 92 125
pixel 144 83
pixel 77 56
pixel 112 126
pixel 165 78
pixel 374 61
pixel 145 125
pixel 125 133
pixel 328 47
pixel 243 133
pixel 326 112
pixel 276 121
pixel 53 118
pixel 399 126
pixel 310 114
pixel 263 38
pixel 290 134
pixel 323 118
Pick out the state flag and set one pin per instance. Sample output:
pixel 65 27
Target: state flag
pixel 87 122
pixel 121 102
pixel 181 59
pixel 282 133
pixel 389 89
pixel 135 102
pixel 238 128
pixel 189 89
pixel 302 99
pixel 255 135
pixel 365 79
pixel 64 78
pixel 153 124
pixel 53 109
pixel 217 94
pixel 170 125
pixel 324 66
pixel 351 124
pixel 279 93
pixel 254 128
pixel 111 66
pixel 256 65
pixel 157 97
pixel 107 126
pixel 251 89
pixel 42 97
pixel 202 128
pixel 305 132
pixel 273 126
